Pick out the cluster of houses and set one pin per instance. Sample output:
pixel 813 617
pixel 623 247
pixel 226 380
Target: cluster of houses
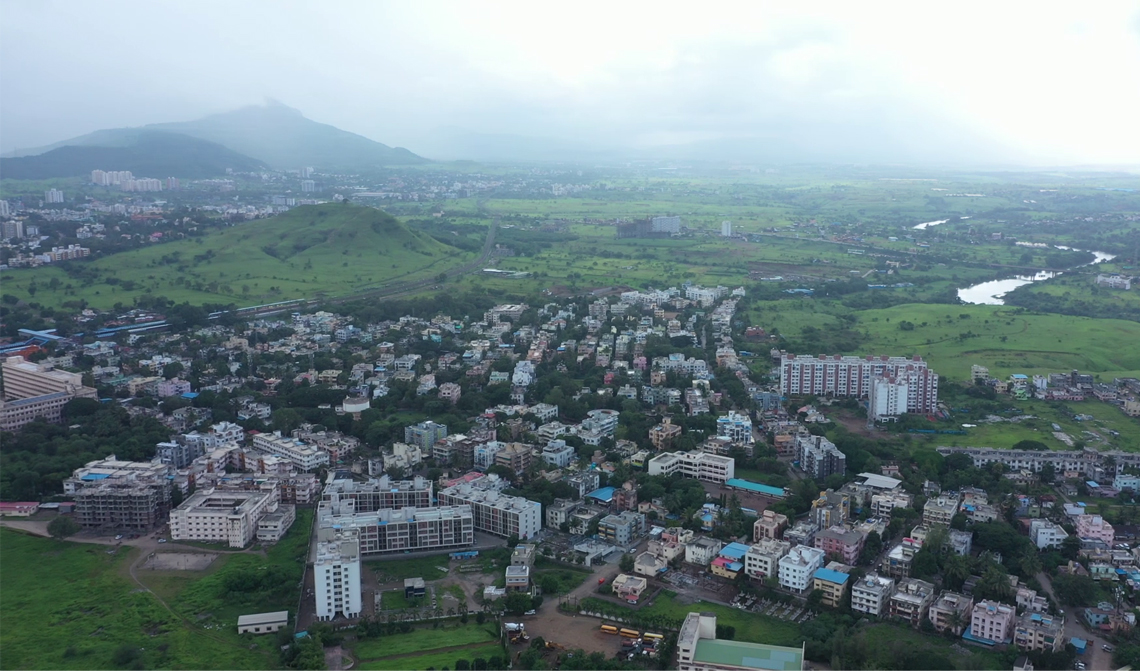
pixel 1123 392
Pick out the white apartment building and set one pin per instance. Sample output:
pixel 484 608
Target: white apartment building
pixel 798 566
pixel 221 516
pixel 701 551
pixel 883 504
pixel 697 465
pixel 494 512
pixel 851 376
pixel 871 593
pixel 336 574
pixel 401 530
pixel 939 511
pixel 735 427
pixel 305 457
pixel 273 526
pixel 763 558
pixel 888 397
pixel 1046 534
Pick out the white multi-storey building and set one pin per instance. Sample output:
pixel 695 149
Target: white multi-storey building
pixel 695 464
pixel 1046 534
pixel 763 558
pixel 851 376
pixel 871 593
pixel 798 566
pixel 336 574
pixel 401 530
pixel 221 516
pixel 735 427
pixel 494 512
pixel 305 457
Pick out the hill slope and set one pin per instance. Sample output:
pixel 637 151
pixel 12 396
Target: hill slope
pixel 145 153
pixel 330 249
pixel 284 138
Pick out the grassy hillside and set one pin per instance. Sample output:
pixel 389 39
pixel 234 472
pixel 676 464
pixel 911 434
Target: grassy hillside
pixel 330 249
pixel 1004 339
pixel 145 153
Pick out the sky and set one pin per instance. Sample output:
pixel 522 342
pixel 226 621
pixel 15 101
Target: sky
pixel 1043 83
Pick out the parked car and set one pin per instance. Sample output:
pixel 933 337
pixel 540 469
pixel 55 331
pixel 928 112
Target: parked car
pixel 529 612
pixel 161 540
pixel 119 537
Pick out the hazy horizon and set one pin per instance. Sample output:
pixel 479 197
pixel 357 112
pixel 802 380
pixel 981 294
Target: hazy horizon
pixel 1015 83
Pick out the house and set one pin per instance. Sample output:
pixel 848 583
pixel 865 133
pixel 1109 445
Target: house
pixel 649 564
pixel 1046 534
pixel 629 587
pixel 517 578
pixel 729 562
pixel 798 566
pixel 763 558
pixel 846 544
pixel 951 611
pixel 832 582
pixel 992 622
pixel 414 588
pixel 871 594
pixel 911 600
pixel 769 525
pixel 1036 631
pixel 1094 526
pixel 702 551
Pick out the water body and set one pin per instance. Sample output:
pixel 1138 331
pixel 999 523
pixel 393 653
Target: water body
pixel 923 227
pixel 992 292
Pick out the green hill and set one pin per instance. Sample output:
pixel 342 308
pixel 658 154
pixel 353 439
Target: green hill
pixel 330 249
pixel 145 153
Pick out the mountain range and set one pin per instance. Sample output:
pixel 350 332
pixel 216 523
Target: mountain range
pixel 249 138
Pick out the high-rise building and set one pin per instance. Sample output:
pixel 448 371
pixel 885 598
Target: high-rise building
pixel 726 228
pixel 171 183
pixel 306 172
pixel 851 376
pixel 52 196
pixel 11 229
pixel 336 573
pixel 6 211
pixel 308 186
pixel 113 494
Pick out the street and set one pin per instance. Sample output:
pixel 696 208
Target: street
pixel 1095 658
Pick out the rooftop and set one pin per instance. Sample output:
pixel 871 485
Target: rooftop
pixel 749 655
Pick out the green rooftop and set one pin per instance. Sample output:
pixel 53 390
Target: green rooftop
pixel 749 655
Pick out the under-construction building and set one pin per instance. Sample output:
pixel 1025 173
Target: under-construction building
pixel 121 495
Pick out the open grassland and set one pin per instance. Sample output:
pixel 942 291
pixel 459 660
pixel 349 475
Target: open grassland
pixel 396 570
pixel 751 627
pixel 1005 340
pixel 71 606
pixel 890 645
pixel 425 639
pixel 306 252
pixel 433 660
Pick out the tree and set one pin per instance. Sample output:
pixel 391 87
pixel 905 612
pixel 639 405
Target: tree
pixel 1071 548
pixel 62 527
pixel 462 665
pixel 517 603
pixel 955 571
pixel 549 584
pixel 626 563
pixel 1047 474
pixel 994 585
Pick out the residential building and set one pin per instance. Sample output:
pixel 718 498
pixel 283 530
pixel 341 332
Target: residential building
pixel 622 530
pixel 515 456
pixel 558 512
pixel 494 512
pixel 401 529
pixel 992 621
pixel 798 566
pixel 871 594
pixel 763 558
pixel 1095 526
pixel 882 504
pixel 14 415
pixel 425 434
pixel 305 457
pixel 801 533
pixel 379 493
pixel 336 574
pixel 851 376
pixel 939 511
pixel 650 564
pixel 911 600
pixel 450 392
pixel 695 464
pixel 961 542
pixel 222 516
pixel 121 495
pixel 832 582
pixel 1039 632
pixel 818 456
pixel 831 508
pixel 840 542
pixel 273 526
pixel 558 453
pixel 701 551
pixel 663 435
pixel 629 587
pixel 517 578
pixel 698 649
pixel 889 397
pixel 1046 534
pixel 951 611
pixel 770 524
pixel 735 427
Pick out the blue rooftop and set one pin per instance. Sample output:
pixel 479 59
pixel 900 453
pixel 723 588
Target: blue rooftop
pixel 755 487
pixel 190 395
pixel 603 494
pixel 831 576
pixel 94 476
pixel 734 550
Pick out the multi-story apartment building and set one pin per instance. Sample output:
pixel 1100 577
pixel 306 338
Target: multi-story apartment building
pixel 951 611
pixel 622 530
pixel 696 465
pixel 882 504
pixel 1095 526
pixel 1039 632
pixel 494 512
pixel 871 594
pixel 763 558
pixel 940 510
pixel 273 526
pixel 831 508
pixel 911 600
pixel 735 427
pixel 379 493
pixel 305 457
pixel 425 434
pixel 515 456
pixel 798 566
pixel 24 379
pixel 840 542
pixel 1046 534
pixel 851 376
pixel 699 650
pixel 222 516
pixel 15 414
pixel 818 456
pixel 123 495
pixel 663 435
pixel 402 529
pixel 832 582
pixel 336 574
pixel 557 453
pixel 770 524
pixel 1083 462
pixel 992 621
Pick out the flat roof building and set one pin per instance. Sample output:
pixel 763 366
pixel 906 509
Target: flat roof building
pixel 336 574
pixel 698 649
pixel 404 529
pixel 222 516
pixel 494 512
pixel 696 465
pixel 262 623
pixel 379 493
pixel 305 457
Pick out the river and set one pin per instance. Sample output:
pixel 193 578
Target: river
pixel 991 293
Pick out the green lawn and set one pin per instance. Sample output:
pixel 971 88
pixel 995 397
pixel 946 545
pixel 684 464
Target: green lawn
pixel 71 606
pixel 434 660
pixel 425 639
pixel 887 643
pixel 397 570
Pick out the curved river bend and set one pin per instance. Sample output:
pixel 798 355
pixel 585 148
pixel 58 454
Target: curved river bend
pixel 991 293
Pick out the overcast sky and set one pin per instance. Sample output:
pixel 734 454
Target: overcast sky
pixel 1034 82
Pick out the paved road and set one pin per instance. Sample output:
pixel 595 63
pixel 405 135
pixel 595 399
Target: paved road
pixel 1095 658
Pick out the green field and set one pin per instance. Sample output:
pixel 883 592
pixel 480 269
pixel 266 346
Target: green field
pixel 311 250
pixel 385 571
pixel 72 606
pixel 1005 340
pixel 425 639
pixel 433 660
pixel 888 643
